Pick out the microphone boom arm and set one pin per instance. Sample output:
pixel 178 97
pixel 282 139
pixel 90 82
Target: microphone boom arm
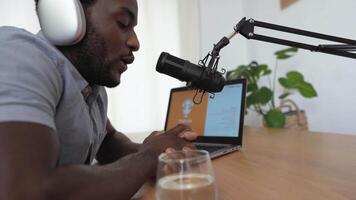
pixel 345 48
pixel 206 78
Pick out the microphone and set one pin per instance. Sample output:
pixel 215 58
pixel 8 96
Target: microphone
pixel 202 78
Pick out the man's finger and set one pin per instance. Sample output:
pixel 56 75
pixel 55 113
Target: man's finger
pixel 155 133
pixel 170 150
pixel 180 128
pixel 187 149
pixel 191 146
pixel 189 152
pixel 188 135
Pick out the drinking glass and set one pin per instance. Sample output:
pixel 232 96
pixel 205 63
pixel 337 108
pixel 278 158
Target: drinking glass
pixel 185 175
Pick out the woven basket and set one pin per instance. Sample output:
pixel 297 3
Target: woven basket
pixel 295 118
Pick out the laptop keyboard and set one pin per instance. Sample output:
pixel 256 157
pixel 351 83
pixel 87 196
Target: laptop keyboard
pixel 209 148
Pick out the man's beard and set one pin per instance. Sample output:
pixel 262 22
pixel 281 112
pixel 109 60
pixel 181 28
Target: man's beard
pixel 92 63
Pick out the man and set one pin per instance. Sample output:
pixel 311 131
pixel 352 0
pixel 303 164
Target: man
pixel 53 113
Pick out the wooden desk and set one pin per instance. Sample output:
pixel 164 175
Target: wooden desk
pixel 286 164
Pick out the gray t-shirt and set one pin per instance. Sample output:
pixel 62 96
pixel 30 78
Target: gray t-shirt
pixel 39 84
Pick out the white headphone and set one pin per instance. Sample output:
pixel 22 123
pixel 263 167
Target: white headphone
pixel 62 21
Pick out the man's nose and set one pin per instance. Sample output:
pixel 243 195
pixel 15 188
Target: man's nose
pixel 133 42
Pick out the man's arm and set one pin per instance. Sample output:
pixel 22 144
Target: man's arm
pixel 115 146
pixel 29 153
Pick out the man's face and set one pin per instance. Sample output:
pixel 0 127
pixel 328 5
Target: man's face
pixel 107 48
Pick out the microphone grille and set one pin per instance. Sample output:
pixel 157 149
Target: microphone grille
pixel 169 64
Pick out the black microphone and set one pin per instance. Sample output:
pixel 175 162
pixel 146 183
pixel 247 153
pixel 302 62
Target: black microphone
pixel 202 78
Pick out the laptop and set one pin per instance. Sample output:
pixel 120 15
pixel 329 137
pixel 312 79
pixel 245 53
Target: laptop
pixel 218 121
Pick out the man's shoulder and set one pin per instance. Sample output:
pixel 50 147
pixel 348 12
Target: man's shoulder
pixel 10 31
pixel 28 59
pixel 12 35
pixel 24 43
pixel 31 85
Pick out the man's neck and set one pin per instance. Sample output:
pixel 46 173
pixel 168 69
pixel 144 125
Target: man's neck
pixel 71 54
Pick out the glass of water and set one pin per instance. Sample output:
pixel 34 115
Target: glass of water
pixel 185 175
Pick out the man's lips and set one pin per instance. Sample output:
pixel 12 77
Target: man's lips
pixel 121 64
pixel 128 59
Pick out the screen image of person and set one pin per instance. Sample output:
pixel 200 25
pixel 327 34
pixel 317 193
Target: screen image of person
pixel 215 117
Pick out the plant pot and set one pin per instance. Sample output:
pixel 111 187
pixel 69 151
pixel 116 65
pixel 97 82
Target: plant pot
pixel 294 117
pixel 296 120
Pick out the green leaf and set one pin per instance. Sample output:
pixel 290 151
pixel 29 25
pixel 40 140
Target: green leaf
pixel 283 57
pixel 286 53
pixel 251 87
pixel 287 50
pixel 292 80
pixel 261 96
pixel 267 72
pixel 307 90
pixel 295 80
pixel 287 83
pixel 255 72
pixel 248 104
pixel 295 76
pixel 284 95
pixel 264 95
pixel 263 69
pixel 237 73
pixel 251 99
pixel 275 119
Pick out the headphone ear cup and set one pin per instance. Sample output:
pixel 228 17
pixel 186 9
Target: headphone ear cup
pixel 62 21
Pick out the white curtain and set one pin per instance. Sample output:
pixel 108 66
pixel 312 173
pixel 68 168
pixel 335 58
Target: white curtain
pixel 139 103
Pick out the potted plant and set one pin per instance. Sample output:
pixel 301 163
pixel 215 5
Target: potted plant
pixel 261 98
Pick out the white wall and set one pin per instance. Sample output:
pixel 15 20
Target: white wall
pixel 217 20
pixel 140 103
pixel 334 110
pixel 20 13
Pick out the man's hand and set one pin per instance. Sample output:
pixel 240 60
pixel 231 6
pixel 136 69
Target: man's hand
pixel 176 138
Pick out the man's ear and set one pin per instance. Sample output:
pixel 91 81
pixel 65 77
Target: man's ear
pixel 62 21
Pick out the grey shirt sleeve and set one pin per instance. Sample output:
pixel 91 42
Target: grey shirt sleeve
pixel 30 85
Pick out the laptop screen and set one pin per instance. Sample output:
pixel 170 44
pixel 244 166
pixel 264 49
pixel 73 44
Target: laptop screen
pixel 221 116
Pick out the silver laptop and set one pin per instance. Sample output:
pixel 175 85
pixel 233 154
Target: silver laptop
pixel 218 121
